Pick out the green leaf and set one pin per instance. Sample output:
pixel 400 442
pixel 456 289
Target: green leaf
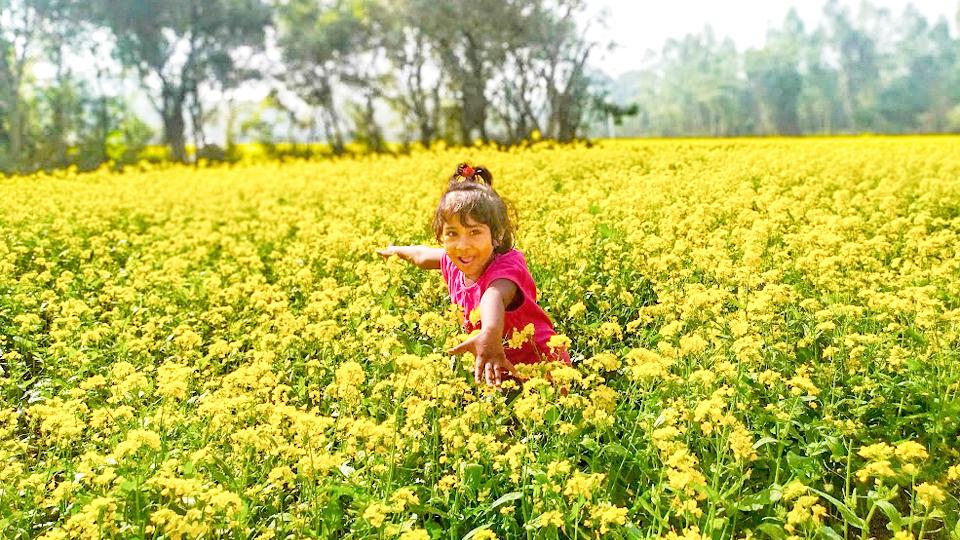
pixel 756 501
pixel 127 486
pixel 509 497
pixel 589 444
pixel 772 530
pixel 472 473
pixel 803 466
pixel 763 441
pixel 849 515
pixel 892 514
pixel 616 449
pixel 827 532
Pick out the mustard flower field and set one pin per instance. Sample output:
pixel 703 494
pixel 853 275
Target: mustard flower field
pixel 765 333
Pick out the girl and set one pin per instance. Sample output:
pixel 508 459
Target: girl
pixel 486 276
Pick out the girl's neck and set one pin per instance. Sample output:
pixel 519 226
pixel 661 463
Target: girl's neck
pixel 470 281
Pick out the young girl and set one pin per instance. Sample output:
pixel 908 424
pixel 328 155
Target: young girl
pixel 486 276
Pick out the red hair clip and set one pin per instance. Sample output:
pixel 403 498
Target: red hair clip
pixel 468 171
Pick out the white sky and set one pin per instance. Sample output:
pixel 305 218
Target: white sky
pixel 641 25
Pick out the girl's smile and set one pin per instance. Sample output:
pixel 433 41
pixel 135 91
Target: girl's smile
pixel 469 245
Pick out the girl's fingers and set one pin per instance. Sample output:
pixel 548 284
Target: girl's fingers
pixel 489 374
pixel 508 367
pixel 463 347
pixel 477 368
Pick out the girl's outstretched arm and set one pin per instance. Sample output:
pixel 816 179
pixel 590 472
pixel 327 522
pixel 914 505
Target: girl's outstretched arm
pixel 425 257
pixel 487 346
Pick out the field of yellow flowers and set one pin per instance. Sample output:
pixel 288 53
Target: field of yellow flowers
pixel 766 343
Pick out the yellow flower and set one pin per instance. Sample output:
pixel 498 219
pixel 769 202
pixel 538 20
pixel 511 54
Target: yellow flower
pixel 519 337
pixel 137 439
pixel 606 515
pixel 604 361
pixel 793 490
pixel 929 495
pixel 415 534
pixel 558 468
pixel 173 379
pixel 741 444
pixel 550 518
pixel 910 451
pixel 485 534
pixel 876 469
pixel 610 329
pixel 690 533
pixel 876 451
pixel 404 497
pixel 583 485
pixel 558 341
pixel 953 473
pixel 376 514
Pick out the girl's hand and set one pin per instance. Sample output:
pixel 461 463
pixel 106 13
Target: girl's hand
pixel 388 251
pixel 491 363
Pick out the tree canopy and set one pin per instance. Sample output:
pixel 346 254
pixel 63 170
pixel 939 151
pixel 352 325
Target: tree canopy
pixel 370 72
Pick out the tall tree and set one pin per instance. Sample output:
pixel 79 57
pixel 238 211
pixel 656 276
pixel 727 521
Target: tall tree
pixel 774 74
pixel 859 66
pixel 471 39
pixel 415 83
pixel 321 42
pixel 19 30
pixel 178 45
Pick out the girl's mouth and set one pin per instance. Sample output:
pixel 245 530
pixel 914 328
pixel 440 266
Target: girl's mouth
pixel 465 260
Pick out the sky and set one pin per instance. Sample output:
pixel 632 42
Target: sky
pixel 637 26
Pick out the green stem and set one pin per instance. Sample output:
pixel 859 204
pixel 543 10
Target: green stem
pixel 846 487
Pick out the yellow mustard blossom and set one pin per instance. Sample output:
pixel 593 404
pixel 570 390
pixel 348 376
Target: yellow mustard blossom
pixel 605 514
pixel 582 485
pixel 376 514
pixel 910 451
pixel 929 495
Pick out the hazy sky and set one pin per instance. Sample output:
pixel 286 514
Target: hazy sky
pixel 640 25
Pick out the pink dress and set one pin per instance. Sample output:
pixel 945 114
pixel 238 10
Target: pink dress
pixel 510 265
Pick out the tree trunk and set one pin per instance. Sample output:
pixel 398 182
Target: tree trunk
pixel 59 113
pixel 173 124
pixel 10 79
pixel 473 84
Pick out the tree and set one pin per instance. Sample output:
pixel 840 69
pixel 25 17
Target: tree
pixel 415 84
pixel 19 27
pixel 319 42
pixel 859 69
pixel 178 45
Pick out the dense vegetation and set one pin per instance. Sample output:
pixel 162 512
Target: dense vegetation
pixel 766 337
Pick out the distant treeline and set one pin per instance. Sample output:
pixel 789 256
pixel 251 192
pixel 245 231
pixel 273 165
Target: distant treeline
pixel 347 72
pixel 452 70
pixel 868 71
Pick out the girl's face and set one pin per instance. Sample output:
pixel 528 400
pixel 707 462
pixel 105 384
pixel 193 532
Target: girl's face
pixel 469 245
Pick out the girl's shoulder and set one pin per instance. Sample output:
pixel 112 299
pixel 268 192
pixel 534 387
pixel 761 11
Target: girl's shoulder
pixel 514 257
pixel 511 265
